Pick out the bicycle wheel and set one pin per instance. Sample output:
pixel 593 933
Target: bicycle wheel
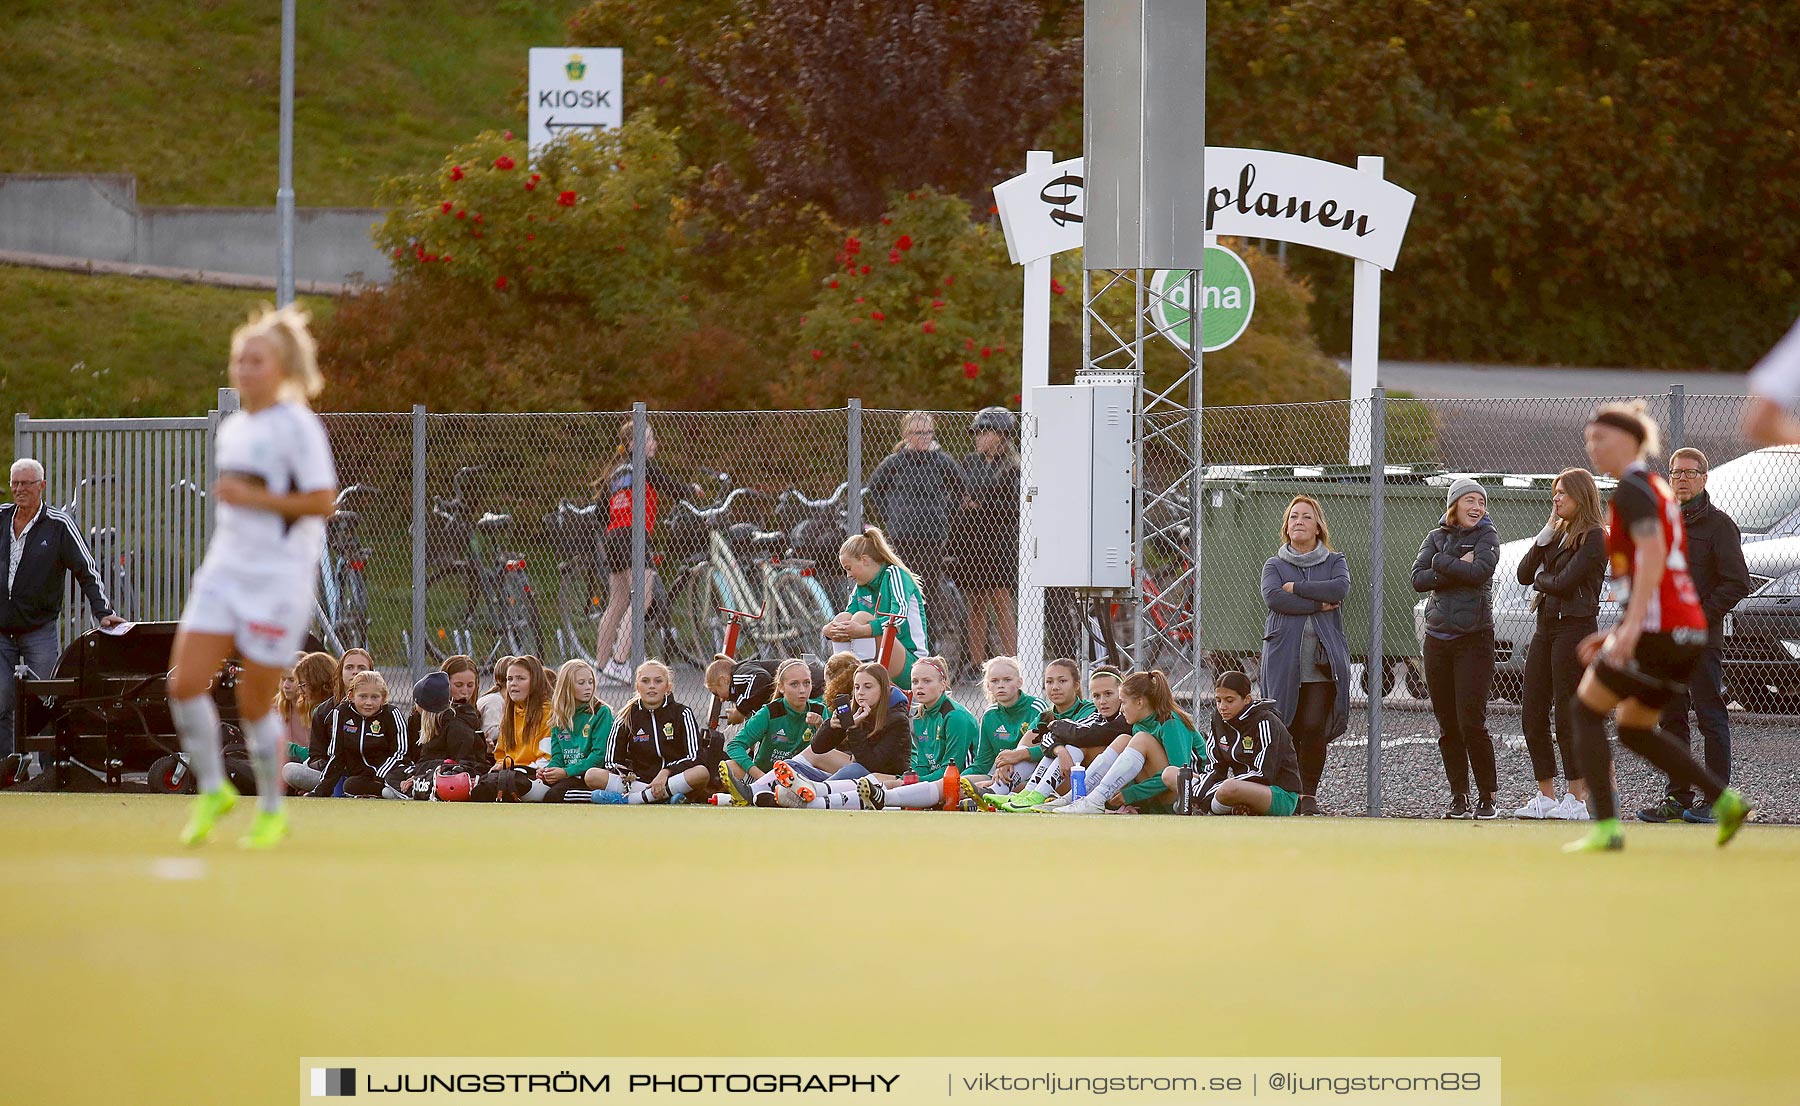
pixel 581 592
pixel 456 614
pixel 352 622
pixel 804 610
pixel 694 604
pixel 518 615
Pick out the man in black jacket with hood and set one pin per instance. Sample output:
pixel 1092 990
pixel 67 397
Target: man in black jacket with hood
pixel 1716 562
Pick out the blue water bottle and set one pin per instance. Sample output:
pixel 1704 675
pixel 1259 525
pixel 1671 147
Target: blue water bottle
pixel 1078 782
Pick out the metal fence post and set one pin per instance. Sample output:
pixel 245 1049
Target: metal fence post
pixel 417 652
pixel 853 523
pixel 1376 669
pixel 1677 416
pixel 640 429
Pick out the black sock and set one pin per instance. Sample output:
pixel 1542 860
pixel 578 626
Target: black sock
pixel 1673 758
pixel 1596 759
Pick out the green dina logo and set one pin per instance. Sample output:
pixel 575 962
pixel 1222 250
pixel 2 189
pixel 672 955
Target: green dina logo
pixel 576 69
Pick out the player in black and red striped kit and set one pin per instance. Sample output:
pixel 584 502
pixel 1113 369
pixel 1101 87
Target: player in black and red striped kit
pixel 1648 658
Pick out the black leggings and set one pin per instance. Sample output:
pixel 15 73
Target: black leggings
pixel 1312 721
pixel 1552 673
pixel 1459 673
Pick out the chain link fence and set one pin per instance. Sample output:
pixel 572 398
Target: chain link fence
pixel 501 534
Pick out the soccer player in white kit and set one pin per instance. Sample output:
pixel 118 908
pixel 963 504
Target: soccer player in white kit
pixel 253 594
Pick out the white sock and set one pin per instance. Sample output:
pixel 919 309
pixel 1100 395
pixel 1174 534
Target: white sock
pixel 386 793
pixel 1045 782
pixel 197 721
pixel 1124 770
pixel 614 783
pixel 914 796
pixel 844 800
pixel 265 736
pixel 762 784
pixel 1097 770
pixel 639 793
pixel 679 785
pixel 1220 808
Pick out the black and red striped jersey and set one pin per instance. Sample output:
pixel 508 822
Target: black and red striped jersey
pixel 1675 608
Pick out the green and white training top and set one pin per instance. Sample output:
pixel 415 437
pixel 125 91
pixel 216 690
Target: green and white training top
pixel 894 590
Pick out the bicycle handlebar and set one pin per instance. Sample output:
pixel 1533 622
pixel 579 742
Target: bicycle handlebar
pixel 834 499
pixel 354 489
pixel 710 515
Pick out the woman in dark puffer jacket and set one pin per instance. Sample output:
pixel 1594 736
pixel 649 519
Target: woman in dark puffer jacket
pixel 1456 567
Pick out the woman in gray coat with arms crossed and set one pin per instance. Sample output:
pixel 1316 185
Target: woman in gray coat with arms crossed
pixel 1306 659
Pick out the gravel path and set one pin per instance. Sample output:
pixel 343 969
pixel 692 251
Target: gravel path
pixel 1765 754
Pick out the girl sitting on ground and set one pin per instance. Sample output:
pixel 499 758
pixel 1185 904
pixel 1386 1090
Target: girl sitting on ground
pixel 1253 767
pixel 1131 770
pixel 580 726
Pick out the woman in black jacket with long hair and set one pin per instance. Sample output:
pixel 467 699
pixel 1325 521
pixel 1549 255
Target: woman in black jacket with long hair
pixel 1456 566
pixel 1565 568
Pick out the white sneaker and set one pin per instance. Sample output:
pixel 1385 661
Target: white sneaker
pixel 1539 806
pixel 1571 809
pixel 618 672
pixel 1054 802
pixel 1087 804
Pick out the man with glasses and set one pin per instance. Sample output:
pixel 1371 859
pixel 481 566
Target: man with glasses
pixel 1716 563
pixel 41 544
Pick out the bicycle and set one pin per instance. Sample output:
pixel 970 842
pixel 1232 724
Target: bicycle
pixel 341 610
pixel 474 590
pixel 795 606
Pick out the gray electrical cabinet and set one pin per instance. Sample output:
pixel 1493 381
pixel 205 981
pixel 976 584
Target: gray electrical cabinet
pixel 1080 486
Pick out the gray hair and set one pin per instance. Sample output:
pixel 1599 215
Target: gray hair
pixel 29 465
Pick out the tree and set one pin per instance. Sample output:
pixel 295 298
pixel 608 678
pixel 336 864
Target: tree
pixel 1602 181
pixel 852 101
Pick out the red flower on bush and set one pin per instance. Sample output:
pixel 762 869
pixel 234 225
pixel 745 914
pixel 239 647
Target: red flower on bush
pixel 818 353
pixel 447 259
pixel 852 246
pixel 987 351
pixel 500 283
pixel 456 172
pixel 968 343
pixel 878 316
pixel 834 284
pixel 462 215
pixel 928 327
pixel 893 257
pixel 509 139
pixel 886 222
pixel 448 205
pixel 971 370
pixel 397 253
pixel 503 162
pixel 566 199
pixel 905 242
pixel 937 304
pixel 531 238
pixel 531 186
pixel 535 177
pixel 864 270
pixel 1056 287
pixel 949 280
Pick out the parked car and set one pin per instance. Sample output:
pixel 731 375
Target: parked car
pixel 1761 492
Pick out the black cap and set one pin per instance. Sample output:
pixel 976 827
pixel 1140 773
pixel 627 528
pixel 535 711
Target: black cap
pixel 432 694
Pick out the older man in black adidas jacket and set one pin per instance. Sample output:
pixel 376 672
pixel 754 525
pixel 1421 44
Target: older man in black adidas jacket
pixel 41 544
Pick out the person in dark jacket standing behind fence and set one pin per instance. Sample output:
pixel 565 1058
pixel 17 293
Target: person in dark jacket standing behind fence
pixel 42 543
pixel 917 489
pixel 1456 567
pixel 1306 658
pixel 1565 568
pixel 986 565
pixel 1716 562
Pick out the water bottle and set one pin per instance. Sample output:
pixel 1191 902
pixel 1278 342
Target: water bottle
pixel 910 777
pixel 1078 782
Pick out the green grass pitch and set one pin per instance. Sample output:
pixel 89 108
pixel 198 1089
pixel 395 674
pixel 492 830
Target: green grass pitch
pixel 1669 973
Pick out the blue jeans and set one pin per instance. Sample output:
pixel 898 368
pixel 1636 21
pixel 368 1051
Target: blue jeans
pixel 37 650
pixel 851 771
